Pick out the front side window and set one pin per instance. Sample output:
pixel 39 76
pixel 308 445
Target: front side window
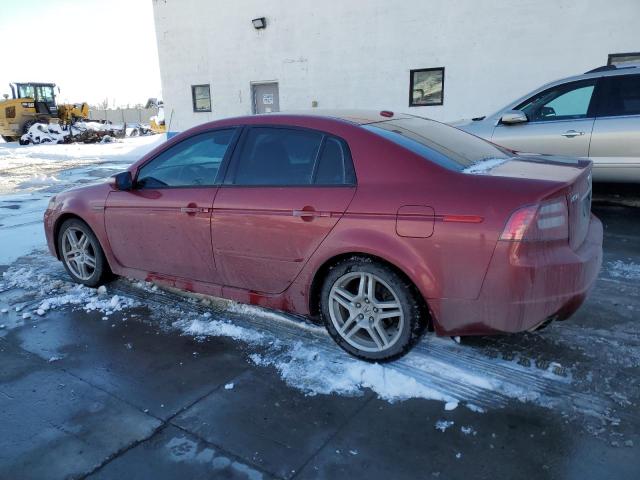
pixel 562 102
pixel 201 96
pixel 621 96
pixel 273 156
pixel 193 162
pixel 426 87
pixel 26 91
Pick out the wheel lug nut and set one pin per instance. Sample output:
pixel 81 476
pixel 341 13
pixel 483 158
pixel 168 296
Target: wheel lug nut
pixel 358 305
pixel 371 319
pixel 361 316
pixel 375 309
pixel 366 300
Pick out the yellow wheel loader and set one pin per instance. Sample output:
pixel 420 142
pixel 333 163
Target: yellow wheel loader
pixel 35 103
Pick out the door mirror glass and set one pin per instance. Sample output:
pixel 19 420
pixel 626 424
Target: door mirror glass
pixel 511 117
pixel 122 181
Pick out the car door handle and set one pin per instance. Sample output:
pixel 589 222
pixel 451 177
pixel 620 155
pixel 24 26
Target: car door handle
pixel 310 213
pixel 193 210
pixel 571 134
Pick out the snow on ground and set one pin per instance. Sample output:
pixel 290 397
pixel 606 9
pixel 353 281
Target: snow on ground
pixel 303 354
pixel 627 270
pixel 30 175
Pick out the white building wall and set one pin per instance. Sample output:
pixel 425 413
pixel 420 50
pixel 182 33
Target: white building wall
pixel 358 53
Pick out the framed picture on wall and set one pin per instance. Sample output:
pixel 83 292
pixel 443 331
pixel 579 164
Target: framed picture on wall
pixel 426 87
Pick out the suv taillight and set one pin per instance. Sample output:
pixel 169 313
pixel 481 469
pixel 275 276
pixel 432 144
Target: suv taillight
pixel 548 220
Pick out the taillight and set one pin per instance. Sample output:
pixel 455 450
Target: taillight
pixel 546 221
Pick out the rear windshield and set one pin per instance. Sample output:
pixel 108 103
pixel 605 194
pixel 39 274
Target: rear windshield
pixel 447 146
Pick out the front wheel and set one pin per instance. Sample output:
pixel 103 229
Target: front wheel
pixel 370 310
pixel 81 253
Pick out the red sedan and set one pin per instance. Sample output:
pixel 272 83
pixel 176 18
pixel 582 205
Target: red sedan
pixel 380 224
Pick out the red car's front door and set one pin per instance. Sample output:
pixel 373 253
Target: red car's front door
pixel 284 192
pixel 163 225
pixel 164 231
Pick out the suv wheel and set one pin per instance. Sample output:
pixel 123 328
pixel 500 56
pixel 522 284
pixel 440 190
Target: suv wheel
pixel 370 310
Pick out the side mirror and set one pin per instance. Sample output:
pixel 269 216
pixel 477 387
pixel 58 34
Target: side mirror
pixel 512 117
pixel 122 181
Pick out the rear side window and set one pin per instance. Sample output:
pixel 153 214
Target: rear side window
pixel 439 143
pixel 335 166
pixel 192 162
pixel 621 96
pixel 273 156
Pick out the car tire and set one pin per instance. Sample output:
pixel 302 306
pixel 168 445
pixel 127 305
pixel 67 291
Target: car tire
pixel 81 253
pixel 359 321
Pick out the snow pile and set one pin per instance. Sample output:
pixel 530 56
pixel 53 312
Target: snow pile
pixel 89 300
pixel 217 328
pixel 62 294
pixel 485 166
pixel 620 269
pixel 45 133
pixel 79 127
pixel 315 370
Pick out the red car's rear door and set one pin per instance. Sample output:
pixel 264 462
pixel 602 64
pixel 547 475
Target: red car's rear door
pixel 285 190
pixel 163 225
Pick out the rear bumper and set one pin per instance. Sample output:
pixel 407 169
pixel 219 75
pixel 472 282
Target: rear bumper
pixel 525 285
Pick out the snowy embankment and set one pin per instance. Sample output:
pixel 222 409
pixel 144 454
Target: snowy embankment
pixel 30 175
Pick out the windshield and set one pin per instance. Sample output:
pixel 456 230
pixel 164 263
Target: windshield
pixel 41 93
pixel 447 146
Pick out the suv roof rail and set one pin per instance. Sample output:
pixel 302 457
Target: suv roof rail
pixel 604 68
pixel 621 66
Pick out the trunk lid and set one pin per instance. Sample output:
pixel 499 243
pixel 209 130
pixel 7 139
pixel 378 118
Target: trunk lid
pixel 571 175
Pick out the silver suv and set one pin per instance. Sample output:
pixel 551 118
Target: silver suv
pixel 595 115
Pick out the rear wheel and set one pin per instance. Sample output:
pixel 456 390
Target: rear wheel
pixel 370 310
pixel 81 253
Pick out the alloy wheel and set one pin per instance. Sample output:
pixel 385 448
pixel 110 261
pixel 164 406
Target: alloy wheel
pixel 79 253
pixel 365 311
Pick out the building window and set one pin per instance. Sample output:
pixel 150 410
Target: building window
pixel 426 87
pixel 622 58
pixel 201 95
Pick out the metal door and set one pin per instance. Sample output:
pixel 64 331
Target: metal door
pixel 265 98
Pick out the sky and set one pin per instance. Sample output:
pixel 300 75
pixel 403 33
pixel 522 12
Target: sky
pixel 91 49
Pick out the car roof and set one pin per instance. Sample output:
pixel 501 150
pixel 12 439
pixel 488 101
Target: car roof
pixel 358 117
pixel 604 71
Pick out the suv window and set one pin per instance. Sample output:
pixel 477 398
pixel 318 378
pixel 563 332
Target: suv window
pixel 562 102
pixel 621 96
pixel 192 162
pixel 272 156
